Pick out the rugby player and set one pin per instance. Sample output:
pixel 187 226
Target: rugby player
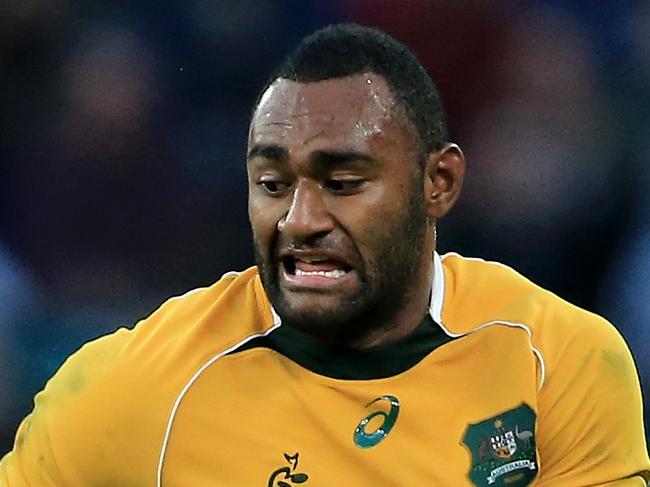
pixel 352 353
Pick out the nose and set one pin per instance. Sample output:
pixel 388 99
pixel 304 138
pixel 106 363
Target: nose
pixel 308 214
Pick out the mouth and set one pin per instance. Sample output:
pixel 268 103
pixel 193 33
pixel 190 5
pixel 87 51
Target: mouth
pixel 314 272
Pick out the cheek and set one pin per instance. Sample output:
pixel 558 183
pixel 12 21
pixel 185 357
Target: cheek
pixel 263 217
pixel 370 219
pixel 370 209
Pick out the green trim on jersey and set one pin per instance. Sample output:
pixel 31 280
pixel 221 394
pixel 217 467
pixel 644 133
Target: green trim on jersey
pixel 340 362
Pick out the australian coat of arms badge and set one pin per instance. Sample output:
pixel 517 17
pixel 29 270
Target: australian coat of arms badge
pixel 503 449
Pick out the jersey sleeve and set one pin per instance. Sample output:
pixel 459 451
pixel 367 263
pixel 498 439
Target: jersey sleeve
pixel 590 425
pixel 73 436
pixel 43 441
pixel 34 463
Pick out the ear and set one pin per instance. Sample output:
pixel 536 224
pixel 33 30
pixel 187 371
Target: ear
pixel 444 172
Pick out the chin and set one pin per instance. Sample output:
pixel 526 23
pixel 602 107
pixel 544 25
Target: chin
pixel 321 312
pixel 328 319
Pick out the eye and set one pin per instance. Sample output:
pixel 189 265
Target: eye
pixel 344 186
pixel 273 188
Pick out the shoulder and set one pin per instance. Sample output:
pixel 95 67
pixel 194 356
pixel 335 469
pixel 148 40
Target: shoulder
pixel 107 406
pixel 194 324
pixel 233 306
pixel 589 399
pixel 473 278
pixel 478 291
pixel 162 350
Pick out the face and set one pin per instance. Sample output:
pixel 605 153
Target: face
pixel 336 204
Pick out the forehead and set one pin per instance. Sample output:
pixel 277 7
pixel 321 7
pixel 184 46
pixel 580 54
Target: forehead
pixel 351 110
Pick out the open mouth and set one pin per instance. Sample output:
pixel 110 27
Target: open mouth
pixel 314 267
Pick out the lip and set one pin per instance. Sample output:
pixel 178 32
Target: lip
pixel 301 254
pixel 296 283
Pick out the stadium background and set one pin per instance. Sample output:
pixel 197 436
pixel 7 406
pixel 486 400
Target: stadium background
pixel 122 137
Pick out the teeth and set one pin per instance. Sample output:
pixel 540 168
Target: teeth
pixel 335 274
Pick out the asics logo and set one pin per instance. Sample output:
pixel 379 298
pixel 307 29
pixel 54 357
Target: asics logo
pixel 365 439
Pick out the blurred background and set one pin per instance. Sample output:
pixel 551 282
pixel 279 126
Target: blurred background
pixel 122 139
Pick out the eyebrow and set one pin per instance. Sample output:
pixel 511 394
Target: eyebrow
pixel 338 157
pixel 272 151
pixel 319 158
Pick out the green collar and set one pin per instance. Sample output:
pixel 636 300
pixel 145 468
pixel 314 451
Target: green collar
pixel 340 362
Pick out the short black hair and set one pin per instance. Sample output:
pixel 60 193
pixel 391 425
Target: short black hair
pixel 341 50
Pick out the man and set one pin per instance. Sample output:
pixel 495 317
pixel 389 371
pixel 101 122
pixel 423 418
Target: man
pixel 353 354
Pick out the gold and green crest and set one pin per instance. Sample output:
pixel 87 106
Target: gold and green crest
pixel 503 449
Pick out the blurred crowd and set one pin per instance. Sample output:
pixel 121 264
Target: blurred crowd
pixel 123 129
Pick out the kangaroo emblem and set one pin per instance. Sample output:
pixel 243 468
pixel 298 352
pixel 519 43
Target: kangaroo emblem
pixel 289 478
pixel 524 436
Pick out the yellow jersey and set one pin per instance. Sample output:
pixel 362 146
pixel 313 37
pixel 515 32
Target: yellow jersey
pixel 502 384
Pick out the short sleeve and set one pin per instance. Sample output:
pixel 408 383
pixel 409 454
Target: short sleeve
pixel 32 462
pixel 42 441
pixel 590 425
pixel 76 434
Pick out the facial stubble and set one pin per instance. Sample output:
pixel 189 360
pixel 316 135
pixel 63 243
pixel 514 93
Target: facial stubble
pixel 387 278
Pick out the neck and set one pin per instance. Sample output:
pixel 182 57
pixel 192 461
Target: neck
pixel 406 319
